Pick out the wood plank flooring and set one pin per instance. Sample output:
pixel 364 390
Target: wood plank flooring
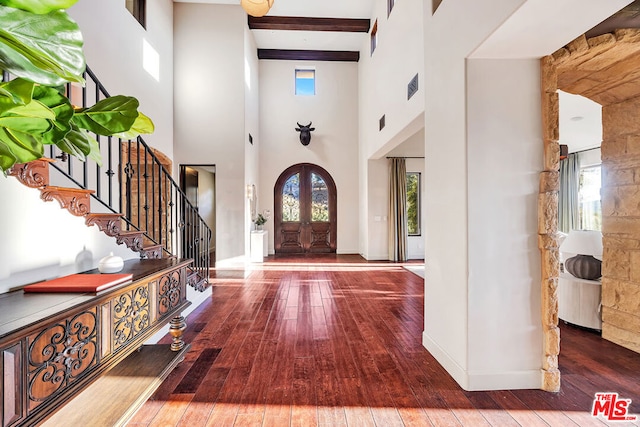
pixel 336 341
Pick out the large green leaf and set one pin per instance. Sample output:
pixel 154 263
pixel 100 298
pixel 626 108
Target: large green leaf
pixel 21 132
pixel 142 125
pixel 18 147
pixel 7 158
pixel 34 118
pixel 108 116
pixel 79 143
pixel 62 109
pixel 94 154
pixel 39 6
pixel 46 49
pixel 14 93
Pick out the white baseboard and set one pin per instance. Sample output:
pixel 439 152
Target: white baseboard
pixel 482 381
pixel 381 257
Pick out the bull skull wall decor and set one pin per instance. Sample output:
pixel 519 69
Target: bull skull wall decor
pixel 305 133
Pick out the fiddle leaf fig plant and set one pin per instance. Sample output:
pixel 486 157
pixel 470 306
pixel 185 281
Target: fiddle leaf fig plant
pixel 42 45
pixel 45 48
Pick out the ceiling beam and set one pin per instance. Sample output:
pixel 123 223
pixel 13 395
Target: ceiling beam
pixel 309 24
pixel 310 55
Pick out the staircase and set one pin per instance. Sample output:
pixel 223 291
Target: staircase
pixel 131 197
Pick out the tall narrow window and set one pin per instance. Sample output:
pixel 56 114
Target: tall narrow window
pixel 413 203
pixel 305 82
pixel 374 36
pixel 291 199
pixel 319 199
pixel 589 198
pixel 138 9
pixel 390 4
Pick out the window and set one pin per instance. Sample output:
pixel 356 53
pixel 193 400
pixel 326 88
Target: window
pixel 413 203
pixel 305 82
pixel 291 199
pixel 390 4
pixel 589 198
pixel 138 9
pixel 319 199
pixel 374 37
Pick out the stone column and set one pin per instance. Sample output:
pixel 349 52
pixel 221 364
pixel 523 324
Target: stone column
pixel 621 223
pixel 548 225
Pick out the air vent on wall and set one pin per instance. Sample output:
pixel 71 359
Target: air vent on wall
pixel 381 121
pixel 412 87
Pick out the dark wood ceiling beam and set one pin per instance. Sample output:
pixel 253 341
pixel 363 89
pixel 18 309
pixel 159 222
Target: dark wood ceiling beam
pixel 309 24
pixel 309 55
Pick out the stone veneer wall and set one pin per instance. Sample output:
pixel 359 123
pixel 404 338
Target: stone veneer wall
pixel 548 224
pixel 621 223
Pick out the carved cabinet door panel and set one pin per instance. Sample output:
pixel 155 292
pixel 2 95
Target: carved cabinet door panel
pixel 305 211
pixel 59 355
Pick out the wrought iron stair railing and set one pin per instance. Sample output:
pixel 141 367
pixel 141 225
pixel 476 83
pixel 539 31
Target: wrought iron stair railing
pixel 133 181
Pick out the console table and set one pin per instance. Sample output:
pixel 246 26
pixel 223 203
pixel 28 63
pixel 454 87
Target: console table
pixel 54 345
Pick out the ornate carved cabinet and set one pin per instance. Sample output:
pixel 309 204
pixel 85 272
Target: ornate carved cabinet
pixel 52 345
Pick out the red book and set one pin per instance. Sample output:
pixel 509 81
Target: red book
pixel 79 283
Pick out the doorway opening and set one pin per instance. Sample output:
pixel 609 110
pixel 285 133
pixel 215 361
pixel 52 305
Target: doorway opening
pixel 600 68
pixel 198 182
pixel 305 211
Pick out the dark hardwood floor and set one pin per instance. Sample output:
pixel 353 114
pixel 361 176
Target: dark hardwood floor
pixel 336 341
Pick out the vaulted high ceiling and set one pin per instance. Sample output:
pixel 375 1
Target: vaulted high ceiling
pixel 346 30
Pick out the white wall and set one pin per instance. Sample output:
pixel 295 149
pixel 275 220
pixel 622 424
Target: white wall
pixel 382 81
pixel 447 320
pixel 384 76
pixel 591 157
pixel 376 246
pixel 334 143
pixel 209 110
pixel 462 295
pixel 252 126
pixel 504 149
pixel 43 241
pixel 113 42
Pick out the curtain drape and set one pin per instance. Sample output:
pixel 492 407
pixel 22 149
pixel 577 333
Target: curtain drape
pixel 397 209
pixel 568 202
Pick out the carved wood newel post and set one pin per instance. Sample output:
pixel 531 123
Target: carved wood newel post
pixel 548 225
pixel 176 328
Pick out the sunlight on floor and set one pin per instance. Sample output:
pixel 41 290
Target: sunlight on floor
pixel 281 414
pixel 417 269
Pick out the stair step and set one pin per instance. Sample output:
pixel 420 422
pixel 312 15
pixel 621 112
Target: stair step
pixel 109 223
pixel 151 252
pixel 34 174
pixel 75 200
pixel 132 239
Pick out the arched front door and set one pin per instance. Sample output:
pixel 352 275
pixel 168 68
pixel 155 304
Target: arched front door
pixel 305 211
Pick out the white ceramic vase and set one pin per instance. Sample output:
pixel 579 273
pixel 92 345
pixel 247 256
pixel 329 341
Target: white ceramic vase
pixel 110 264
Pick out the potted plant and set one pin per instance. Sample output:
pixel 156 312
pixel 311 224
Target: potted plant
pixel 259 221
pixel 42 47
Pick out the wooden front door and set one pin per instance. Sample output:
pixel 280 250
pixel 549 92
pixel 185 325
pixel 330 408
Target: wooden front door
pixel 305 211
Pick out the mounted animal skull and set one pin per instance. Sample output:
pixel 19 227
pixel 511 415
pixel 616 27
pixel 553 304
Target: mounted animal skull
pixel 305 133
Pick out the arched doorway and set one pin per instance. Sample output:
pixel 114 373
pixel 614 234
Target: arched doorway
pixel 599 68
pixel 305 211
